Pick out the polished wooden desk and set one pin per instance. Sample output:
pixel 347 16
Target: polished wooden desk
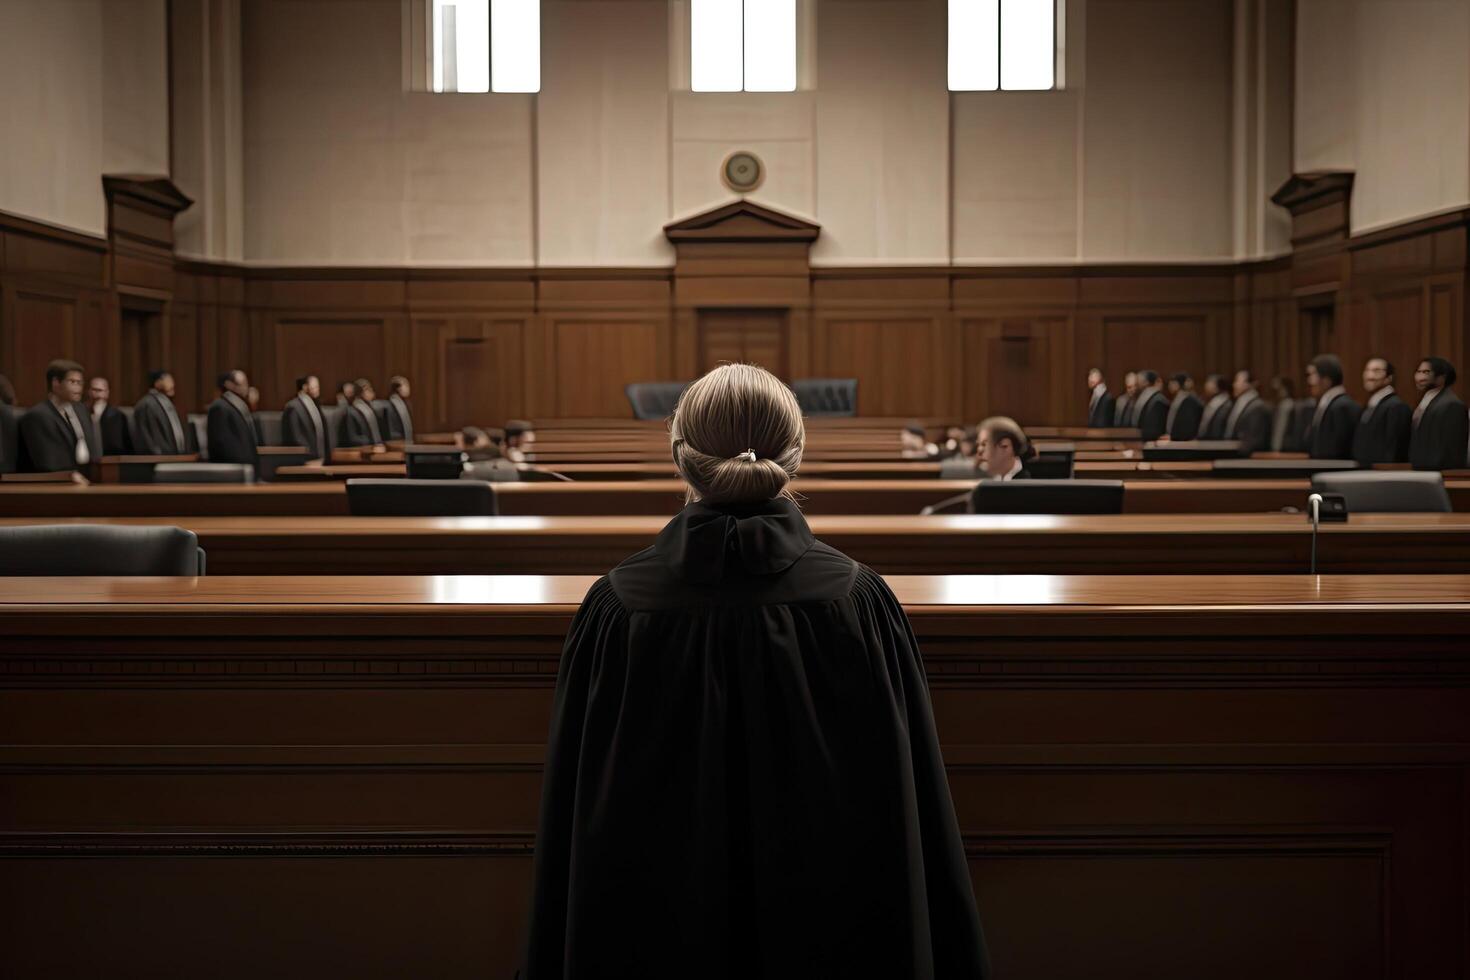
pixel 1181 544
pixel 299 778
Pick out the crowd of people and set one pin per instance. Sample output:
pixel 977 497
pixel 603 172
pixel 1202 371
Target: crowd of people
pixel 1330 424
pixel 78 423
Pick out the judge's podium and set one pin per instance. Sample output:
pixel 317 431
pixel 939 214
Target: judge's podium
pixel 1154 777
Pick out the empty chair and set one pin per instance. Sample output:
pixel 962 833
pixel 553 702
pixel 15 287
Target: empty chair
pixel 1047 497
pixel 833 397
pixel 268 429
pixel 1375 492
pixel 203 473
pixel 654 399
pixel 99 549
pixel 421 498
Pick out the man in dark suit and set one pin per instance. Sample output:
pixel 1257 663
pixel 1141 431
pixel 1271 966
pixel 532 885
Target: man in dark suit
pixel 1250 419
pixel 1150 408
pixel 1185 409
pixel 156 421
pixel 1100 403
pixel 1002 450
pixel 395 418
pixel 1335 419
pixel 359 422
pixel 346 394
pixel 1441 429
pixel 229 426
pixel 1382 435
pixel 1123 407
pixel 302 422
pixel 1217 408
pixel 55 435
pixel 110 423
pixel 9 427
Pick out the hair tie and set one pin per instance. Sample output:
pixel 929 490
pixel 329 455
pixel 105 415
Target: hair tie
pixel 748 456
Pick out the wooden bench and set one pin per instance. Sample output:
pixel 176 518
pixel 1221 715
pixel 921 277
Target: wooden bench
pixel 1153 776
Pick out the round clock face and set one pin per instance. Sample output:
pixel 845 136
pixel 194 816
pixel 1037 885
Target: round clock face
pixel 743 171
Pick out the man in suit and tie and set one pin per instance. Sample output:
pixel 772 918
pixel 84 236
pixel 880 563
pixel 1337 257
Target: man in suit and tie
pixel 1250 419
pixel 302 423
pixel 229 425
pixel 1217 408
pixel 110 423
pixel 395 418
pixel 156 421
pixel 359 422
pixel 1441 428
pixel 1382 435
pixel 1150 408
pixel 1100 403
pixel 1335 419
pixel 1123 407
pixel 1185 409
pixel 55 435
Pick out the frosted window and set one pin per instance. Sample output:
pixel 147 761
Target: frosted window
pixel 1006 45
pixel 487 45
pixel 742 45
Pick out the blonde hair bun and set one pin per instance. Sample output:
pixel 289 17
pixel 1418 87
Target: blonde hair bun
pixel 737 435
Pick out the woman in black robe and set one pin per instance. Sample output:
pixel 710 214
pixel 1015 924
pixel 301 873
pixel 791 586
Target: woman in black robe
pixel 742 777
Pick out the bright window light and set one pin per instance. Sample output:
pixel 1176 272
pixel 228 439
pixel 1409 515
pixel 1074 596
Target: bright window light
pixel 515 45
pixel 487 45
pixel 1008 45
pixel 742 45
pixel 770 45
pixel 716 45
pixel 1028 44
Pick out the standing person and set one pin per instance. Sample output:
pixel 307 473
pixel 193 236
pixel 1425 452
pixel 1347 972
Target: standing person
pixel 156 420
pixel 1440 424
pixel 110 423
pixel 1099 403
pixel 359 421
pixel 1250 419
pixel 1185 409
pixel 302 423
pixel 229 425
pixel 55 435
pixel 1123 407
pixel 1382 435
pixel 742 776
pixel 395 418
pixel 1335 419
pixel 1150 408
pixel 1217 408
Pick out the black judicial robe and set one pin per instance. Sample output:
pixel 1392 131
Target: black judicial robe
pixel 1151 415
pixel 742 776
pixel 1382 435
pixel 112 428
pixel 1185 424
pixel 230 430
pixel 1100 412
pixel 1332 438
pixel 1438 441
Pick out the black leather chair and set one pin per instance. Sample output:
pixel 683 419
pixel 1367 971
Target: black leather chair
pixel 1391 492
pixel 268 429
pixel 198 425
pixel 1054 461
pixel 1047 497
pixel 99 549
pixel 832 397
pixel 203 473
pixel 654 399
pixel 421 498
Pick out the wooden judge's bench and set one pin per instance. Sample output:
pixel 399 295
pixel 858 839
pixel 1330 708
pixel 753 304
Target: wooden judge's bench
pixel 1155 777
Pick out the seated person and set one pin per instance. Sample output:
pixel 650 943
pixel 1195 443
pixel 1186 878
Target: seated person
pixel 1003 450
pixel 914 443
pixel 519 439
pixel 110 423
pixel 1151 407
pixel 1185 410
pixel 346 394
pixel 229 424
pixel 1439 434
pixel 1335 417
pixel 55 435
pixel 486 457
pixel 1217 408
pixel 1249 420
pixel 302 422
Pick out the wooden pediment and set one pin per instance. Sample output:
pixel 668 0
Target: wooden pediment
pixel 1320 203
pixel 153 191
pixel 742 221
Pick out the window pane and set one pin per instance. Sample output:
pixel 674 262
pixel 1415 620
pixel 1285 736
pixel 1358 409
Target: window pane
pixel 770 45
pixel 714 46
pixel 461 45
pixel 974 46
pixel 515 45
pixel 1028 46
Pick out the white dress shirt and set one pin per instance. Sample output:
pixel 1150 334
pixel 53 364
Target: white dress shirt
pixel 69 412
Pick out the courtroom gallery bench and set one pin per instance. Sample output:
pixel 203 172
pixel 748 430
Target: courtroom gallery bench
pixel 1388 544
pixel 307 778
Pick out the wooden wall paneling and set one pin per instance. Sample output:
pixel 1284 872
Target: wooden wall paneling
pixel 595 359
pixel 756 336
pixel 894 357
pixel 335 350
pixel 44 328
pixel 1165 344
pixel 1014 366
pixel 482 371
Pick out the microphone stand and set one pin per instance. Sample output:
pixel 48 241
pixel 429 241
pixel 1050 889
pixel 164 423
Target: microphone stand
pixel 1315 502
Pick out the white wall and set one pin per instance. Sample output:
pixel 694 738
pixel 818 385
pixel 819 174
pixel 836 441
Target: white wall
pixel 1383 89
pixel 83 92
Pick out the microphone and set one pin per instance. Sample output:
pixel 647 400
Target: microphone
pixel 1315 502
